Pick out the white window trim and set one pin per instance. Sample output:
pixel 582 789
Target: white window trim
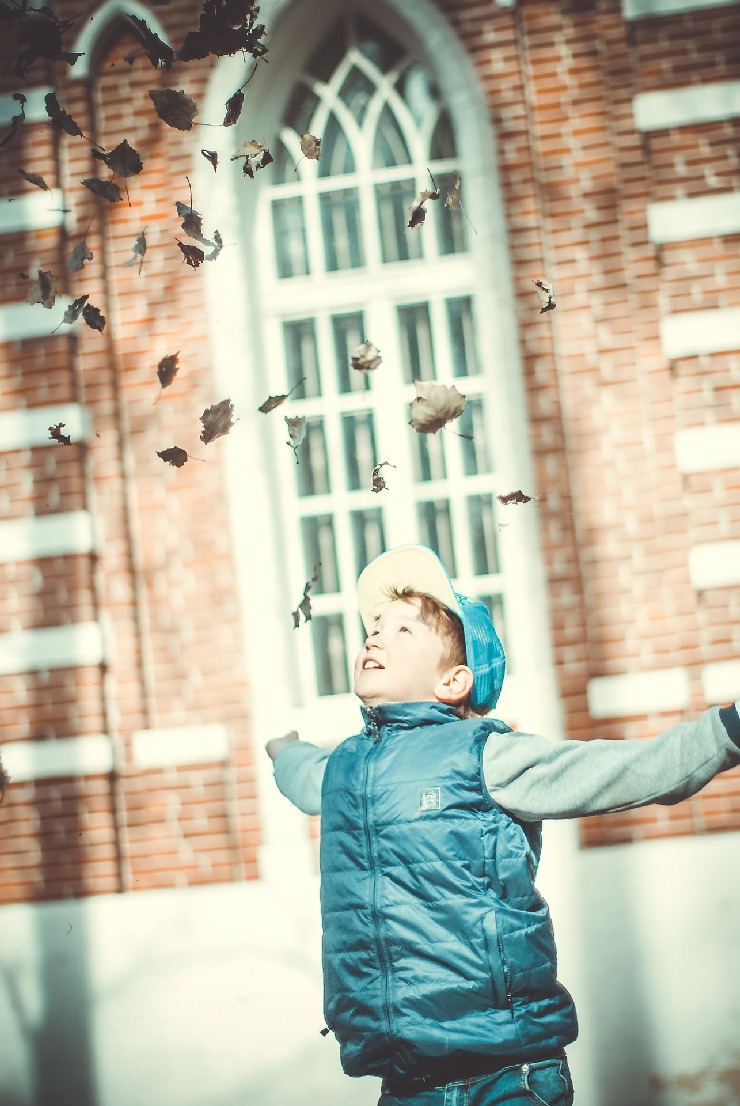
pixel 238 356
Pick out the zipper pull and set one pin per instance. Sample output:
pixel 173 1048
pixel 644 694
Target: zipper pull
pixel 372 726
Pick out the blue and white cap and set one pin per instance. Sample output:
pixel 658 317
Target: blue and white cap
pixel 419 568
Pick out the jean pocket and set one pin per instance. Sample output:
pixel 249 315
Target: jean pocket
pixel 547 1083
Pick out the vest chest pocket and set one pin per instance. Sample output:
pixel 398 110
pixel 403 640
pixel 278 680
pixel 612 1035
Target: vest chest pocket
pixel 497 964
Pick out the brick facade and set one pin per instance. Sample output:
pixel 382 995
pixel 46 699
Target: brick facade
pixel 618 517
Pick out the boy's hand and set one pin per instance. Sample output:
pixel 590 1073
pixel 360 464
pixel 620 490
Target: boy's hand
pixel 276 744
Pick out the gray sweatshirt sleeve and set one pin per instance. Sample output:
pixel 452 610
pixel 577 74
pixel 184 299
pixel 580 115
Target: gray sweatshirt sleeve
pixel 299 771
pixel 533 777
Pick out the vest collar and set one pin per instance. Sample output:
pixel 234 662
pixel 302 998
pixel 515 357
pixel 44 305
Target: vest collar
pixel 405 716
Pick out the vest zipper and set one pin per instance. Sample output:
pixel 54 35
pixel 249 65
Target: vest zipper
pixel 374 728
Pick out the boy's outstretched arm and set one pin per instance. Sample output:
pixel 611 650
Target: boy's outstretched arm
pixel 299 770
pixel 533 777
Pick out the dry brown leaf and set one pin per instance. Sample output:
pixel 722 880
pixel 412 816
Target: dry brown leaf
pixel 43 290
pixel 173 456
pixel 296 433
pixel 366 357
pixel 435 405
pixel 217 421
pixel 174 107
pixel 545 295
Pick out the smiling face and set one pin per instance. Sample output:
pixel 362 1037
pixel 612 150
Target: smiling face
pixel 406 660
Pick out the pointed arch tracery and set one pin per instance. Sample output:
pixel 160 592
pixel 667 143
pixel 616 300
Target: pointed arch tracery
pixel 339 265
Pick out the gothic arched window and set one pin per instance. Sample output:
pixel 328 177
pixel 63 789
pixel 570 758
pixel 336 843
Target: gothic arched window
pixel 339 265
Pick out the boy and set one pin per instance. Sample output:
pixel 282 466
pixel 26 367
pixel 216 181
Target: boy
pixel 438 954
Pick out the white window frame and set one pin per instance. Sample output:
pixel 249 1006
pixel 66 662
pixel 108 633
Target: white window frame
pixel 239 353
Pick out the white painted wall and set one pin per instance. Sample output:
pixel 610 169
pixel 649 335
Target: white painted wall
pixel 212 996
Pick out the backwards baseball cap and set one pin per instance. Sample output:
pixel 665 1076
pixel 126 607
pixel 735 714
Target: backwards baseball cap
pixel 419 568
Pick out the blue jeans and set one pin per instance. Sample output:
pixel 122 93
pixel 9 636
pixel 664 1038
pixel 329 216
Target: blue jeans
pixel 539 1083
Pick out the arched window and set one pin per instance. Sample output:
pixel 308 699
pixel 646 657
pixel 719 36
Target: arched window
pixel 339 265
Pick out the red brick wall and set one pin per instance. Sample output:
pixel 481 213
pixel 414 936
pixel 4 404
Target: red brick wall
pixel 617 519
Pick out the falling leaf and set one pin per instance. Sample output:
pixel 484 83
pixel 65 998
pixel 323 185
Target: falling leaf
pixel 226 27
pixel 304 607
pixel 174 108
pixel 274 401
pixel 310 148
pixel 80 254
pixel 452 199
pixel 92 316
pixel 418 211
pixel 255 156
pixel 139 249
pixel 158 52
pixel 108 189
pixel 514 497
pixel 40 32
pixel 378 482
pixel 212 156
pixel 435 405
pixel 33 178
pixel 366 357
pixel 217 421
pixel 545 295
pixel 219 245
pixel 16 120
pixel 43 290
pixel 123 161
pixel 167 369
pixel 296 433
pixel 55 434
pixel 191 254
pixel 234 106
pixel 59 117
pixel 192 224
pixel 173 456
pixel 74 310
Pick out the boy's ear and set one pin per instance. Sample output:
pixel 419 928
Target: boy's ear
pixel 454 685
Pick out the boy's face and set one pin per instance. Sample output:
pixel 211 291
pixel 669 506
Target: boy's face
pixel 402 660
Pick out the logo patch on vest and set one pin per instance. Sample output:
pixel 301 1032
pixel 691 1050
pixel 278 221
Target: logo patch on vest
pixel 430 798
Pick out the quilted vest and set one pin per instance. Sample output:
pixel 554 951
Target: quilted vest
pixel 438 951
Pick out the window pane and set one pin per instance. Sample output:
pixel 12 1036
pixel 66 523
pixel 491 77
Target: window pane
pixel 349 332
pixel 381 50
pixel 301 359
pixel 429 457
pixel 359 450
pixel 340 223
pixel 330 654
pixel 329 54
pixel 290 237
pixel 451 222
pixel 301 107
pixel 312 470
pixel 483 534
pixel 443 139
pixel 462 336
pixel 356 91
pixel 435 528
pixel 368 535
pixel 319 548
pixel 416 89
pixel 390 145
pixel 417 351
pixel 394 201
pixel 336 154
pixel 474 443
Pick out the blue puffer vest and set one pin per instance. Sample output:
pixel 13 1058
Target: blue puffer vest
pixel 438 951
